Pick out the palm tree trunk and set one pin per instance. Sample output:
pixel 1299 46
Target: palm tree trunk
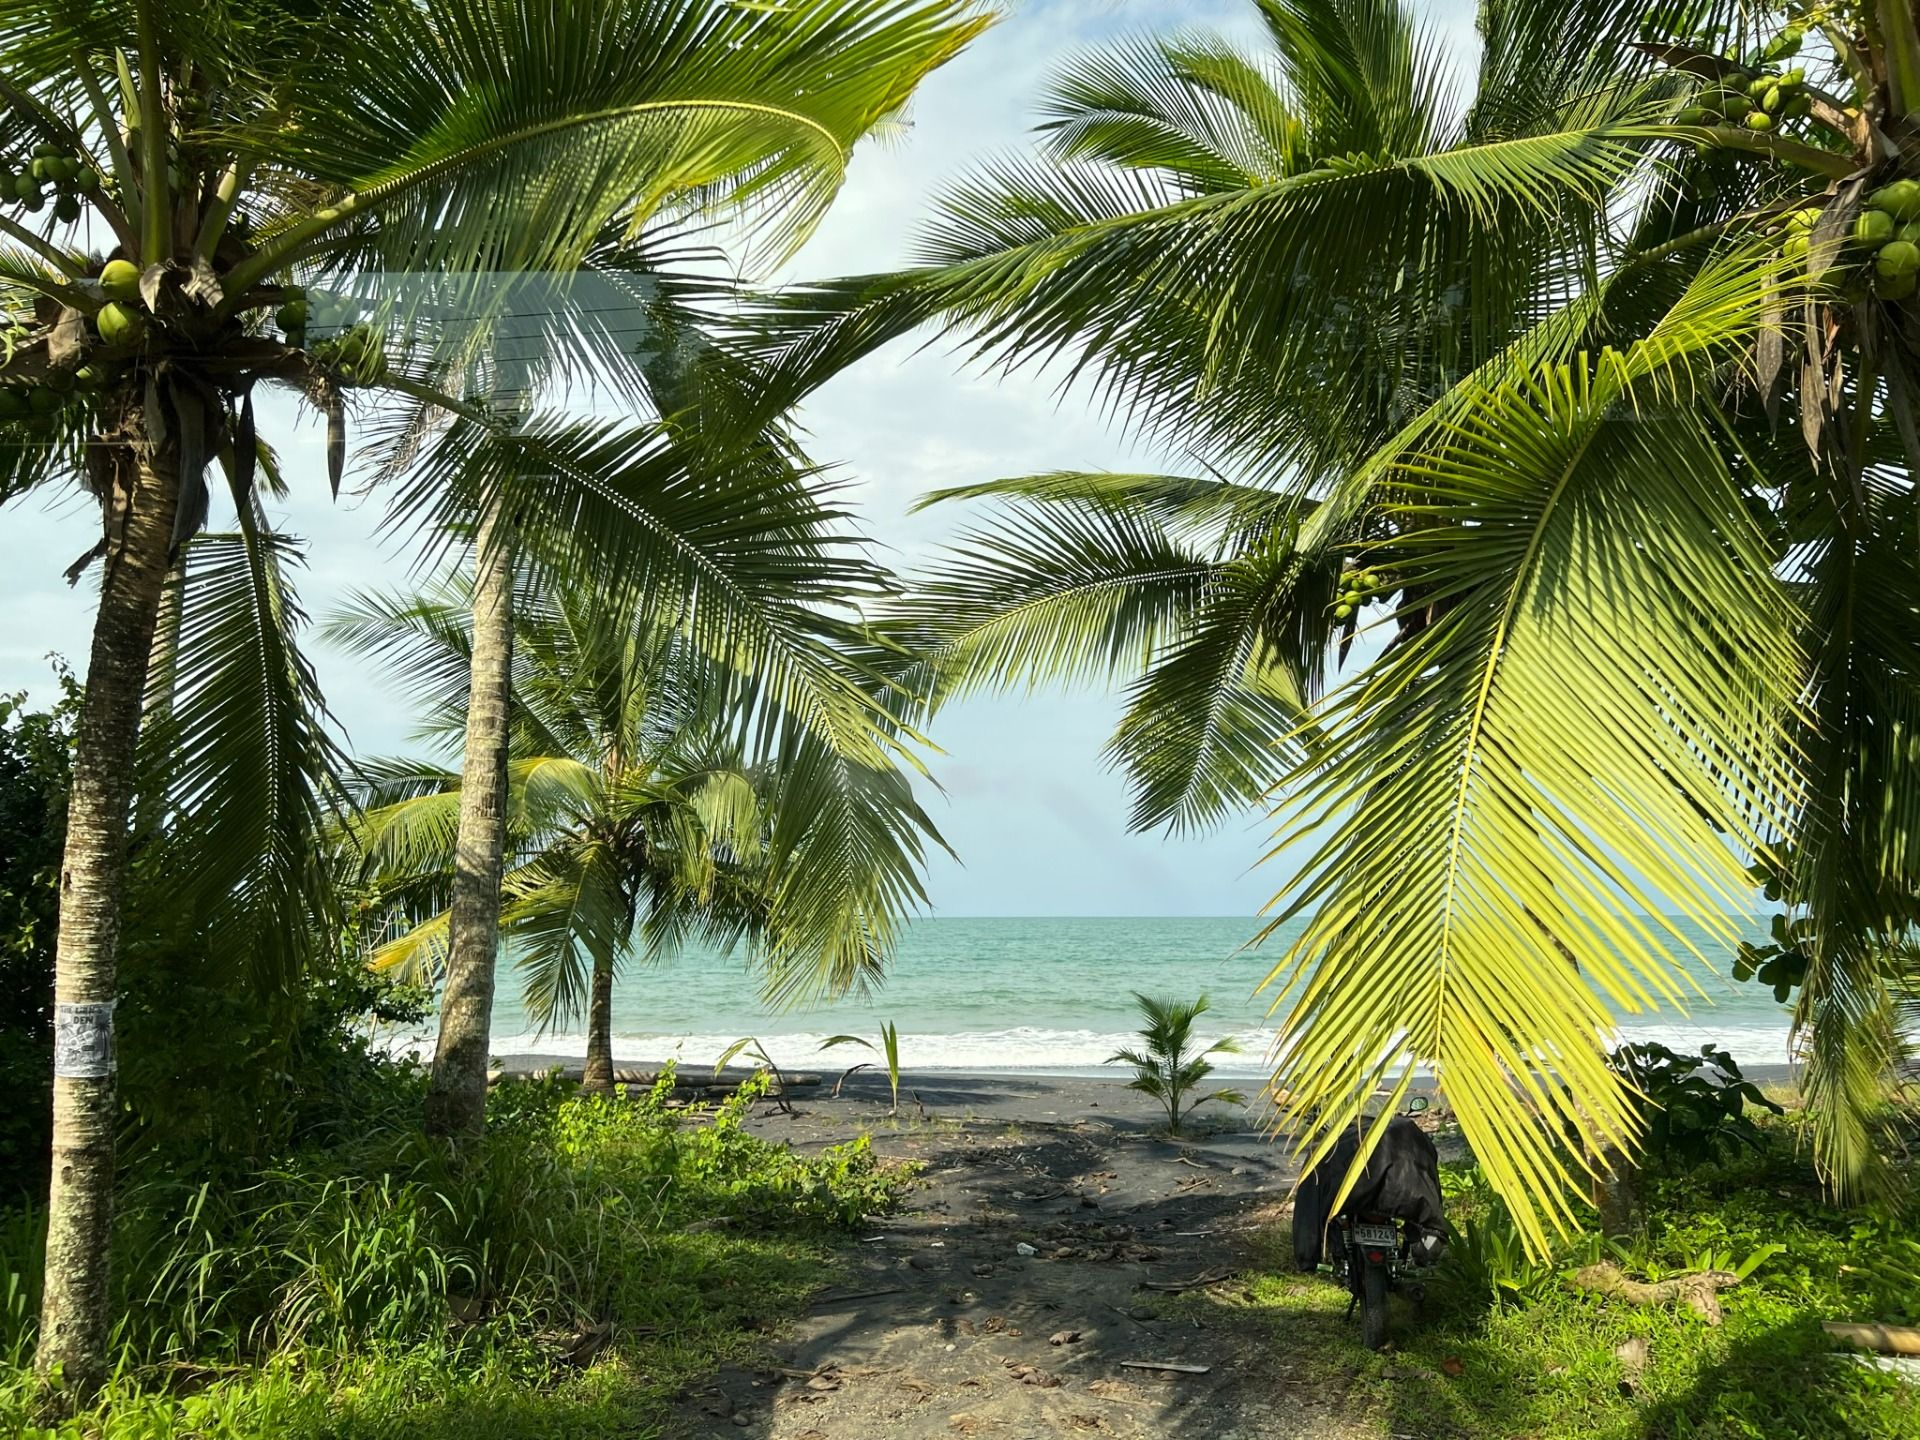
pixel 597 1079
pixel 75 1313
pixel 457 1089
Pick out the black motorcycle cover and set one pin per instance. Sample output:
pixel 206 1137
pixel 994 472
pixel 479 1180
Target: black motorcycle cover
pixel 1402 1179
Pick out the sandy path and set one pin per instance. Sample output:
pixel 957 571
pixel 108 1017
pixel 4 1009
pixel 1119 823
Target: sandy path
pixel 943 1327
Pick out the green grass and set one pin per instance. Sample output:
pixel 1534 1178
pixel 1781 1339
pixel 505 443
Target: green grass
pixel 1540 1360
pixel 383 1288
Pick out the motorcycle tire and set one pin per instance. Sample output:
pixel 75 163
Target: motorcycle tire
pixel 1373 1306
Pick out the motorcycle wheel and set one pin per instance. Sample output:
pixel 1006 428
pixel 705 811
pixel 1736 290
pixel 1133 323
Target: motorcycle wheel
pixel 1373 1306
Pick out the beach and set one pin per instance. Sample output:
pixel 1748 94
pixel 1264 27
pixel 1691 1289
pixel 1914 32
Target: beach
pixel 1036 1263
pixel 1055 1244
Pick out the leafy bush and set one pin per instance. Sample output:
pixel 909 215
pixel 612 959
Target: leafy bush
pixel 1505 1347
pixel 572 1214
pixel 1696 1106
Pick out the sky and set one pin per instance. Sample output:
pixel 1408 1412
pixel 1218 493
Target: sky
pixel 1037 821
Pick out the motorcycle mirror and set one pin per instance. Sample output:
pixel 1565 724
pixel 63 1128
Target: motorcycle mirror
pixel 1417 1103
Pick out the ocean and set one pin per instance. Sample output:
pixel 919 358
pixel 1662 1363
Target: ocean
pixel 1042 995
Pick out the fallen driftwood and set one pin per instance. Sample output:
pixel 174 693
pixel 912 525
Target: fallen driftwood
pixel 1887 1339
pixel 1199 1282
pixel 847 1295
pixel 1700 1291
pixel 1178 1367
pixel 693 1082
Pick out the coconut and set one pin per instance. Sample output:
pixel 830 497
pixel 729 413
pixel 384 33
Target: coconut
pixel 1342 611
pixel 118 324
pixel 87 180
pixel 1771 100
pixel 1804 220
pixel 1759 85
pixel 1900 199
pixel 1759 120
pixel 67 208
pixel 1893 287
pixel 13 403
pixel 89 377
pixel 120 279
pixel 1736 107
pixel 43 401
pixel 1874 227
pixel 33 203
pixel 47 167
pixel 292 315
pixel 25 187
pixel 1794 250
pixel 1692 115
pixel 45 150
pixel 1897 258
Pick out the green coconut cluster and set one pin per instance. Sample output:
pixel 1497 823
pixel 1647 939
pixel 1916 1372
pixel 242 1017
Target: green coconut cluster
pixel 1762 102
pixel 291 316
pixel 56 390
pixel 1357 587
pixel 1755 92
pixel 357 354
pixel 49 167
pixel 1883 249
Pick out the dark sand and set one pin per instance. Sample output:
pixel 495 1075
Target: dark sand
pixel 939 1326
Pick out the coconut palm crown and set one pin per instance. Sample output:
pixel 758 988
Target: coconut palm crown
pixel 1575 416
pixel 211 198
pixel 637 818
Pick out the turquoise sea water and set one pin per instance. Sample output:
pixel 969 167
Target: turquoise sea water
pixel 1037 994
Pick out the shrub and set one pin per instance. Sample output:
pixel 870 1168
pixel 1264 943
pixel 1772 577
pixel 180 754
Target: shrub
pixel 571 1213
pixel 35 757
pixel 1696 1106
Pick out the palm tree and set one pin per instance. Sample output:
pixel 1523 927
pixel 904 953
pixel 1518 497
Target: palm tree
pixel 230 152
pixel 637 816
pixel 1488 392
pixel 1168 1068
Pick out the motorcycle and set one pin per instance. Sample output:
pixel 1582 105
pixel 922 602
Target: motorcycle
pixel 1377 1255
pixel 1389 1231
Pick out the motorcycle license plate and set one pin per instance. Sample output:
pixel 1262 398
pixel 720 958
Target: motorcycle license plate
pixel 1376 1237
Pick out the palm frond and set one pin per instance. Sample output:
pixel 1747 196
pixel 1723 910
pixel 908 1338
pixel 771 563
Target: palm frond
pixel 245 757
pixel 1520 800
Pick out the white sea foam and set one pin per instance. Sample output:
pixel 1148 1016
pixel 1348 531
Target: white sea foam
pixel 1037 1050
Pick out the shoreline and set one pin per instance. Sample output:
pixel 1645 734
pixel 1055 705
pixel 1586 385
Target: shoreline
pixel 1012 1093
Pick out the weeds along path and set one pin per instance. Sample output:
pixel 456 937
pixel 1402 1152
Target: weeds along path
pixel 940 1323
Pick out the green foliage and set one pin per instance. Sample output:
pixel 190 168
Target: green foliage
pixel 1167 1068
pixel 643 810
pixel 889 1049
pixel 35 753
pixel 1504 1349
pixel 1474 348
pixel 382 1255
pixel 1780 963
pixel 1695 1107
